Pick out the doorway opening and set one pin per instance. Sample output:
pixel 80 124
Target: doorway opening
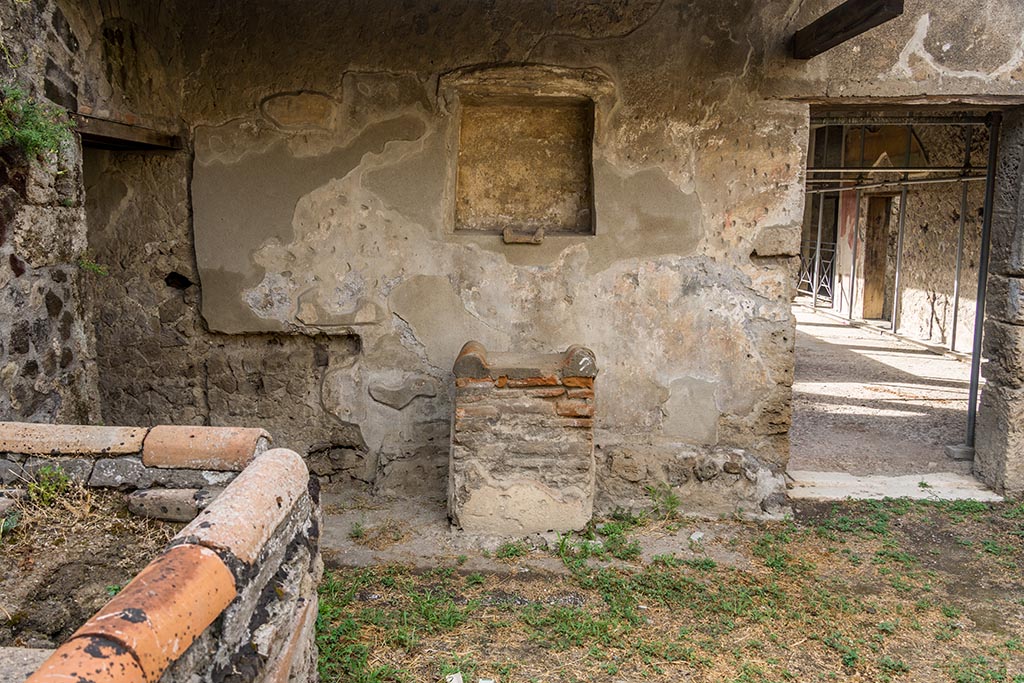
pixel 893 233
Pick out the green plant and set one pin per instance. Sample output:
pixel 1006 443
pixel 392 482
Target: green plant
pixel 475 579
pixel 30 126
pixel 91 266
pixel 49 484
pixel 113 589
pixel 665 501
pixel 510 550
pixel 357 531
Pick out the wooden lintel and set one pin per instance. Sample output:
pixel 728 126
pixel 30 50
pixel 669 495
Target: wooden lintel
pixel 846 21
pixel 117 135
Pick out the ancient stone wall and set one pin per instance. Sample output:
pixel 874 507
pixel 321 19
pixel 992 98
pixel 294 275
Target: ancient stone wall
pixel 319 188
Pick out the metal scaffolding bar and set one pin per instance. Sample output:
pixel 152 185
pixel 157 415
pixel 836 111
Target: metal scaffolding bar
pixel 986 241
pixel 867 119
pixel 887 169
pixel 817 248
pixel 968 135
pixel 895 184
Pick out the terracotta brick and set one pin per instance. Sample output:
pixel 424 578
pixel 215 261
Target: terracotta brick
pixel 89 658
pixel 462 382
pixel 587 382
pixel 574 408
pixel 545 381
pixel 242 519
pixel 47 439
pixel 202 448
pixel 167 606
pixel 581 393
pixel 546 392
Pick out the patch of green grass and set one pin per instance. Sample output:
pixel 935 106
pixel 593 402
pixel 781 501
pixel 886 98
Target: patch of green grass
pixel 977 669
pixel 475 579
pixel 91 266
pixel 357 531
pixel 511 550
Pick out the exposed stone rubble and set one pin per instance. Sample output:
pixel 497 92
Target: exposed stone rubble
pixel 522 454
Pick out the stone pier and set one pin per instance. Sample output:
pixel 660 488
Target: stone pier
pixel 522 452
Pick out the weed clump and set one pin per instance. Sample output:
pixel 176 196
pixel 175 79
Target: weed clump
pixel 30 126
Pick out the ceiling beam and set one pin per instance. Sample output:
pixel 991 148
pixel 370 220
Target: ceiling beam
pixel 109 134
pixel 846 21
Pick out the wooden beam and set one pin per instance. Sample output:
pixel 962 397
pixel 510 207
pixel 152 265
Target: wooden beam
pixel 116 135
pixel 846 21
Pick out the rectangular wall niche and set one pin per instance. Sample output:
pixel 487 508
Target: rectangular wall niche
pixel 525 165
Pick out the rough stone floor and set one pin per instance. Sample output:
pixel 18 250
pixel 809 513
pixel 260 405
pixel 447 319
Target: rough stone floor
pixel 866 403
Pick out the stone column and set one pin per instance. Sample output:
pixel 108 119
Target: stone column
pixel 999 447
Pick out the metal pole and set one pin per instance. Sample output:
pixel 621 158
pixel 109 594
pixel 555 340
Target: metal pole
pixel 894 183
pixel 969 133
pixel 986 241
pixel 899 262
pixel 821 217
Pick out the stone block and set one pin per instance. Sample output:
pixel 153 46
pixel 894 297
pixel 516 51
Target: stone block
pixel 1004 348
pixel 125 474
pixel 174 505
pixel 12 473
pixel 51 439
pixel 1005 301
pixel 999 444
pixel 79 469
pixel 522 451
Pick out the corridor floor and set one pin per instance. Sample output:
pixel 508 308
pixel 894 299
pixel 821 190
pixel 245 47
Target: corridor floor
pixel 866 403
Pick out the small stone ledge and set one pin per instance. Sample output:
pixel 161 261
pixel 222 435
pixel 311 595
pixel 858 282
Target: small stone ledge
pixel 243 574
pixel 474 362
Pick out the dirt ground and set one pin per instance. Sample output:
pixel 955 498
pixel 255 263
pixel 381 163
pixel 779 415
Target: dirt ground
pixel 65 559
pixel 867 403
pixel 892 590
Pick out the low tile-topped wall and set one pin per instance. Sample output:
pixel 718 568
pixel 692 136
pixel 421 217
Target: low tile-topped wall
pixel 233 598
pixel 174 471
pixel 522 452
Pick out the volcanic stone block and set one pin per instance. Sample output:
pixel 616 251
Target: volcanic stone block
pixel 522 451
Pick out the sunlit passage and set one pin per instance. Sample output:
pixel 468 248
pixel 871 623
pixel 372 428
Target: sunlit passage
pixel 868 403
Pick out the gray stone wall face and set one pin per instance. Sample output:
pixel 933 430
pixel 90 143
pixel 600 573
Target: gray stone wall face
pixel 999 448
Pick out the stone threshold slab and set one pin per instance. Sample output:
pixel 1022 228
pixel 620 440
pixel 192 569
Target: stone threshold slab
pixel 807 485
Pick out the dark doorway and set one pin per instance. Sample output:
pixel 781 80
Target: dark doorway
pixel 876 256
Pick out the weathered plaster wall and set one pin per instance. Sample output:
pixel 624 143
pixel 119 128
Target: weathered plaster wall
pixel 338 220
pixel 338 263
